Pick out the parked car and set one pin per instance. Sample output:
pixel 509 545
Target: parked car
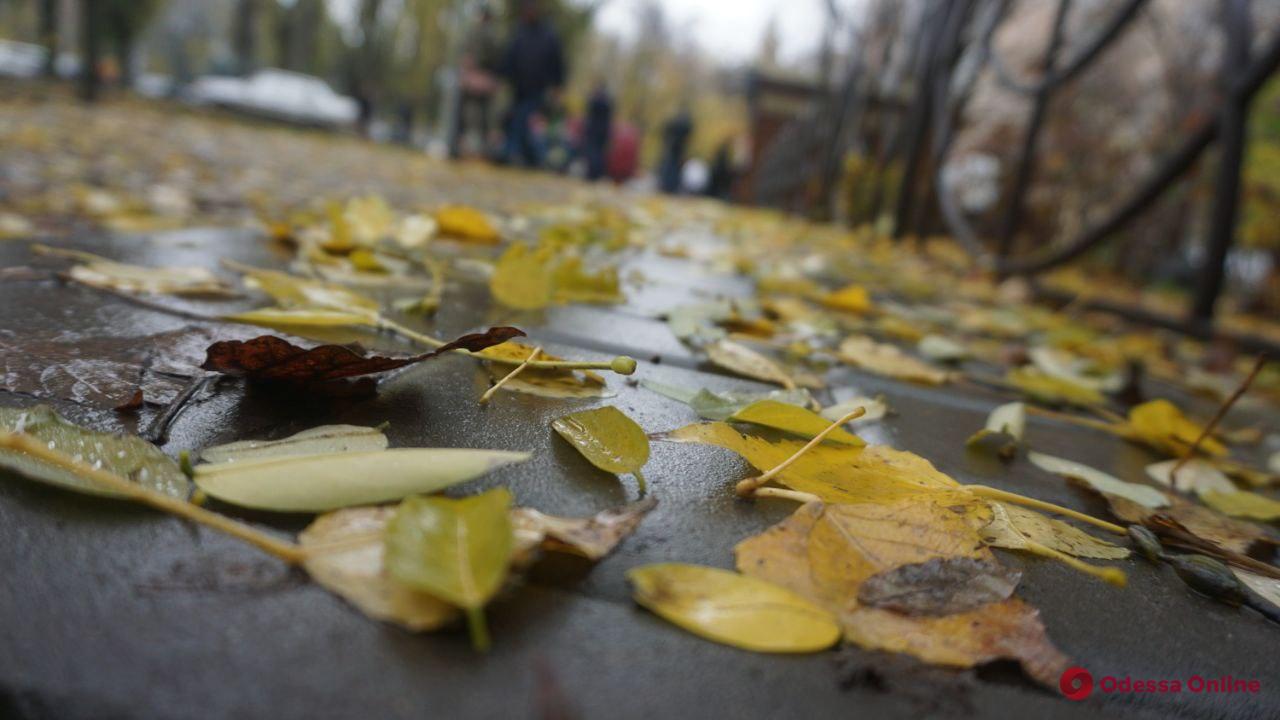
pixel 276 94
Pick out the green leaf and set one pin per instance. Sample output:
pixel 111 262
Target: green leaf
pixel 326 481
pixel 323 439
pixel 1098 480
pixel 608 439
pixel 733 609
pixel 1242 504
pixel 794 420
pixel 456 550
pixel 124 455
pixel 720 405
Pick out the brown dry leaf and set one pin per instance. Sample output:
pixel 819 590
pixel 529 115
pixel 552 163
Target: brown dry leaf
pixel 885 359
pixel 1011 526
pixel 592 538
pixel 1205 523
pixel 744 361
pixel 825 553
pixel 837 474
pixel 345 556
pixel 941 586
pixel 268 358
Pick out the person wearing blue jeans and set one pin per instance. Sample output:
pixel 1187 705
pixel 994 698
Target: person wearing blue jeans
pixel 534 65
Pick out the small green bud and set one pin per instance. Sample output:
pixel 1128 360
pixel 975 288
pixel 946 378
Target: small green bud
pixel 623 365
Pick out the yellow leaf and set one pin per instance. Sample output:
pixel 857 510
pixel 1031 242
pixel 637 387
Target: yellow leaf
pixel 837 474
pixel 885 359
pixel 542 382
pixel 574 284
pixel 851 298
pixel 608 439
pixel 466 223
pixel 825 553
pixel 369 219
pixel 744 361
pixel 793 419
pixel 1036 385
pixel 523 278
pixel 1243 504
pixel 733 609
pixel 1160 424
pixel 1012 526
pixel 345 556
pixel 293 291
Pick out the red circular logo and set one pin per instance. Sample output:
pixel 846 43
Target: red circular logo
pixel 1076 683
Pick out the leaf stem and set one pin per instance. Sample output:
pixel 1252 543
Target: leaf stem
pixel 616 365
pixel 1217 417
pixel 518 369
pixel 286 551
pixel 1110 575
pixel 640 482
pixel 784 493
pixel 1006 496
pixel 749 486
pixel 478 628
pixel 1113 428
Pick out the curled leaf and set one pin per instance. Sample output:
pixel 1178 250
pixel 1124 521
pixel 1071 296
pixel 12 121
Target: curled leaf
pixel 543 382
pixel 323 439
pixel 315 483
pixel 742 360
pixel 1098 480
pixel 1194 476
pixel 591 538
pixel 607 438
pixel 733 609
pixel 1011 527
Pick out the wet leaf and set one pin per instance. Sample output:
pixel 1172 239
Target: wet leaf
pixel 1162 425
pixel 101 272
pixel 835 473
pixel 326 481
pixel 742 360
pixel 124 455
pixel 297 292
pixel 295 320
pixel 573 283
pixel 457 550
pixel 1038 386
pixel 884 359
pixel 794 420
pixel 524 277
pixel 1070 368
pixel 1010 418
pixel 345 555
pixel 540 381
pixel 271 359
pixel 720 405
pixel 607 438
pixel 875 409
pixel 852 299
pixel 592 538
pixel 1012 526
pixel 733 609
pixel 1098 480
pixel 466 223
pixel 825 553
pixel 1205 523
pixel 942 349
pixel 1267 587
pixel 1195 476
pixel 1242 504
pixel 940 586
pixel 323 439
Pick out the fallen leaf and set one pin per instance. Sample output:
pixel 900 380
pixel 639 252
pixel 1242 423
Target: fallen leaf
pixel 742 360
pixel 1098 480
pixel 1195 476
pixel 825 553
pixel 345 555
pixel 884 359
pixel 543 382
pixel 267 358
pixel 466 223
pixel 852 299
pixel 101 272
pixel 1160 424
pixel 732 609
pixel 523 277
pixel 1038 386
pixel 1012 526
pixel 591 538
pixel 1205 523
pixel 1267 587
pixel 457 550
pixel 292 291
pixel 942 349
pixel 1069 367
pixel 875 409
pixel 837 474
pixel 323 439
pixel 608 439
pixel 297 321
pixel 940 586
pixel 124 455
pixel 713 405
pixel 1002 433
pixel 794 420
pixel 1241 503
pixel 573 283
pixel 326 481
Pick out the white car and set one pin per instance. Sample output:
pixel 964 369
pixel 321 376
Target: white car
pixel 278 94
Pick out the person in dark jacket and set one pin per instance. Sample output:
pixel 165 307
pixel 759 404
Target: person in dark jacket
pixel 675 140
pixel 597 131
pixel 534 65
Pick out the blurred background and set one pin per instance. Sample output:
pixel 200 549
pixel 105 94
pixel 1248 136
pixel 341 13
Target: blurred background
pixel 1137 139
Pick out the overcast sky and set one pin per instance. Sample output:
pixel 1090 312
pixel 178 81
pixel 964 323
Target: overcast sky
pixel 730 30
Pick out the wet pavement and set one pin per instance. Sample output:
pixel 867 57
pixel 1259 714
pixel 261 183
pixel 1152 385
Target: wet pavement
pixel 112 610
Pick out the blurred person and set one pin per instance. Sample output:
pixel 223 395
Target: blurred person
pixel 478 80
pixel 534 65
pixel 720 183
pixel 675 141
pixel 597 130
